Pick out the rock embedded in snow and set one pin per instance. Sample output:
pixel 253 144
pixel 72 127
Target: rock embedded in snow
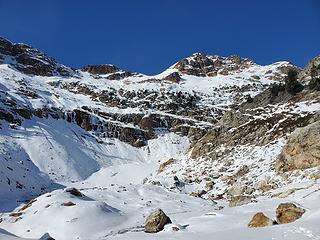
pixel 27 205
pixel 75 192
pixel 243 170
pixel 165 164
pixel 173 77
pixel 198 193
pixel 174 228
pixel 260 220
pixel 15 214
pixel 239 188
pixel 68 204
pixel 46 237
pixel 156 221
pixel 302 150
pixel 209 186
pixel 288 212
pixel 315 175
pixel 176 181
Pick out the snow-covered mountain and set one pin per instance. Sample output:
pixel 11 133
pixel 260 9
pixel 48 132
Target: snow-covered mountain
pixel 89 153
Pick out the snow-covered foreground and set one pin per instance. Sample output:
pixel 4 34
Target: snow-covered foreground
pixel 115 205
pixel 116 202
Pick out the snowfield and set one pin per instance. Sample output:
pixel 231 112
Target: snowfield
pixel 114 208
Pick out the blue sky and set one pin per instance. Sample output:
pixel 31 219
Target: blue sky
pixel 149 35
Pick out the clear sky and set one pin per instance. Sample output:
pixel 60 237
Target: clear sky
pixel 149 35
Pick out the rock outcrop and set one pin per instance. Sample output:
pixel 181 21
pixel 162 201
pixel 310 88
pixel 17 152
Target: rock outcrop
pixel 30 60
pixel 302 149
pixel 257 123
pixel 165 164
pixel 73 191
pixel 313 65
pixel 240 200
pixel 156 221
pixel 101 69
pixel 202 65
pixel 173 77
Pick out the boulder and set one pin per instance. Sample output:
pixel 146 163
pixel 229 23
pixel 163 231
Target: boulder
pixel 260 220
pixel 302 149
pixel 156 221
pixel 288 212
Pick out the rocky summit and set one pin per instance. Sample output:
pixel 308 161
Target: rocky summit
pixel 216 144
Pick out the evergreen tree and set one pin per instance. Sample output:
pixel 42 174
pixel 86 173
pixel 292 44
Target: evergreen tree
pixel 313 71
pixel 292 85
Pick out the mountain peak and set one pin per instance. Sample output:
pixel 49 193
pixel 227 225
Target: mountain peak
pixel 30 60
pixel 201 64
